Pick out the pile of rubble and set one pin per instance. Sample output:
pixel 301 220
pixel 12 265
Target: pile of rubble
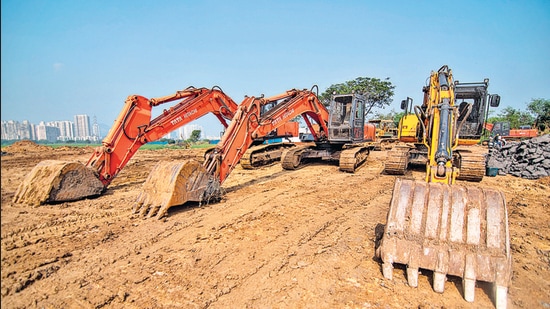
pixel 529 159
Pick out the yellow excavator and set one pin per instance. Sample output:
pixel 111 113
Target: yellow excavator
pixel 437 224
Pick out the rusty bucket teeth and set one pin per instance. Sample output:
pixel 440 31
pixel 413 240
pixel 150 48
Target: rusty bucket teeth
pixel 450 230
pixel 53 181
pixel 174 183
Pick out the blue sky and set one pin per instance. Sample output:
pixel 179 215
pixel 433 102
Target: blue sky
pixel 61 58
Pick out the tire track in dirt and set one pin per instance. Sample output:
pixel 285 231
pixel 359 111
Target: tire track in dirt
pixel 30 246
pixel 265 219
pixel 67 228
pixel 305 248
pixel 148 247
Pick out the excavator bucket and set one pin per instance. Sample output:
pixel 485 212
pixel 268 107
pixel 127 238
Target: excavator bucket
pixel 448 229
pixel 174 183
pixel 52 181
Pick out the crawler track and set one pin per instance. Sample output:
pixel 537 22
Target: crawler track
pixel 291 159
pixel 262 155
pixel 472 167
pixel 397 161
pixel 353 158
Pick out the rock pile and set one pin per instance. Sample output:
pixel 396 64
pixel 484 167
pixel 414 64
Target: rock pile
pixel 529 159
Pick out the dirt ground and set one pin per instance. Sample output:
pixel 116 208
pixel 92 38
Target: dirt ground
pixel 278 239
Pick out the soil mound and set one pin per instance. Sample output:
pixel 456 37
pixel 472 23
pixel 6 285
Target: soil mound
pixel 27 146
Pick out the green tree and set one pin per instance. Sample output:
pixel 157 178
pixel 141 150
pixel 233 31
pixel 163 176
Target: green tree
pixel 195 136
pixel 379 93
pixel 515 117
pixel 540 108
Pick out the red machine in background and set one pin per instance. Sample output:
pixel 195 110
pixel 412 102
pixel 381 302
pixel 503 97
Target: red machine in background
pixel 503 129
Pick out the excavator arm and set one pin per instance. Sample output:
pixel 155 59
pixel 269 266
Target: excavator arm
pixel 439 116
pixel 133 127
pixel 249 125
pixel 57 181
pixel 175 183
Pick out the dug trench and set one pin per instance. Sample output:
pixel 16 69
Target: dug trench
pixel 278 239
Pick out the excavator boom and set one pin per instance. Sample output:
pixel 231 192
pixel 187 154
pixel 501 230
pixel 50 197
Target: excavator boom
pixel 132 129
pixel 439 136
pixel 248 125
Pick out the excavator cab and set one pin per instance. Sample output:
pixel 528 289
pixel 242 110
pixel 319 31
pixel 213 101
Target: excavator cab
pixel 347 121
pixel 473 101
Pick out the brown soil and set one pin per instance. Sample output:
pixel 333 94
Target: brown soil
pixel 26 146
pixel 278 239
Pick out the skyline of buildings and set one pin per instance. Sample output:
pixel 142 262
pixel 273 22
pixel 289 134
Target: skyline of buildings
pixel 51 131
pixel 78 130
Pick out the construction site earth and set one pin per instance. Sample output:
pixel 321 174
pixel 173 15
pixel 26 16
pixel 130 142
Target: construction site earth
pixel 278 239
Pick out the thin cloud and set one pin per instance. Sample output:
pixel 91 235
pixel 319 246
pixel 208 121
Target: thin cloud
pixel 58 66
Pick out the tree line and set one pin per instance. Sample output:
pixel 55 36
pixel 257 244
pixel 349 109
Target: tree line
pixel 379 94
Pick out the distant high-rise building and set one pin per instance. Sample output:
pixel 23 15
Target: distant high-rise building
pixel 66 129
pixel 63 130
pixel 96 133
pixel 46 132
pixel 180 133
pixel 27 130
pixel 14 130
pixel 9 130
pixel 82 127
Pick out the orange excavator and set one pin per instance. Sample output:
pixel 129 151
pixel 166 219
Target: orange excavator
pixel 349 142
pixel 175 183
pixel 53 181
pixel 350 137
pixel 503 129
